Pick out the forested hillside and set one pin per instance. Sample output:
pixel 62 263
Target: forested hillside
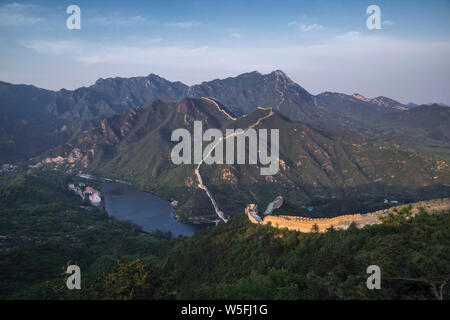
pixel 316 165
pixel 237 260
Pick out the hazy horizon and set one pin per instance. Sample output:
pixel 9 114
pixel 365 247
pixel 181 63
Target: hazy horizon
pixel 198 83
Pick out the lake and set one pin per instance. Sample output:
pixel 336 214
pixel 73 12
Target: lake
pixel 144 209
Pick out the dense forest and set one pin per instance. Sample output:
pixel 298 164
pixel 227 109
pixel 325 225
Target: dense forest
pixel 43 229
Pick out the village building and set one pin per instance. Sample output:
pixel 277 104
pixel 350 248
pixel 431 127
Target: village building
pixel 92 195
pixel 89 190
pixel 95 199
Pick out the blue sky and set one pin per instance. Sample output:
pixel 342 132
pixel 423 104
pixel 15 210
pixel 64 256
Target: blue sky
pixel 322 45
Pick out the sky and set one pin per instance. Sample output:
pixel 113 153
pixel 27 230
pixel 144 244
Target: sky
pixel 322 45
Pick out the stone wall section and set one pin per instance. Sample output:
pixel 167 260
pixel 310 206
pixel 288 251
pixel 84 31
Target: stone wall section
pixel 304 224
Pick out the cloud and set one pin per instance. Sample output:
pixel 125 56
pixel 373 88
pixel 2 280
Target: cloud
pixel 146 55
pixel 305 27
pixel 235 35
pixel 182 24
pixel 54 47
pixel 117 20
pixel 15 14
pixel 349 36
pixel 388 23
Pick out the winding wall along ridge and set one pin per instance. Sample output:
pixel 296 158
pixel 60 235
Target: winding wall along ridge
pixel 197 170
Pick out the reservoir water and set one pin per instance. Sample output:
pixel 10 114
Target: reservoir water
pixel 143 208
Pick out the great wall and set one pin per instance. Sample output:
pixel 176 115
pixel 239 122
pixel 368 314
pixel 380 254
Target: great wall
pixel 304 224
pixel 202 186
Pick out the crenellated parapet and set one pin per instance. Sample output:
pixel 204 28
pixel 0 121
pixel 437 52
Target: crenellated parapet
pixel 305 224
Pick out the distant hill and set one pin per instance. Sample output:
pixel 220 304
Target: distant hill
pixel 112 96
pixel 25 126
pixel 432 120
pixel 424 128
pixel 34 120
pixel 357 106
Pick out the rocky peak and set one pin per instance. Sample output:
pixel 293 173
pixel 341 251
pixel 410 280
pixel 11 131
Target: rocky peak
pixel 360 97
pixel 281 76
pixel 381 101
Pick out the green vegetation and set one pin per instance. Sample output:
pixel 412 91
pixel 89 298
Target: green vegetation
pixel 43 229
pixel 245 261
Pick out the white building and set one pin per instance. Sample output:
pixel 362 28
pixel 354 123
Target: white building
pixel 95 199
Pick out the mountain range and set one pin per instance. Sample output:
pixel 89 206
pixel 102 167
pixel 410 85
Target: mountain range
pixel 33 120
pixel 332 145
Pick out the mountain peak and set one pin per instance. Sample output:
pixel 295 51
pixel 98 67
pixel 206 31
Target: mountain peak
pixel 280 75
pixel 154 76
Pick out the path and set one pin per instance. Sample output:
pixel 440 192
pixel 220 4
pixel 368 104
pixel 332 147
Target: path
pixel 280 92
